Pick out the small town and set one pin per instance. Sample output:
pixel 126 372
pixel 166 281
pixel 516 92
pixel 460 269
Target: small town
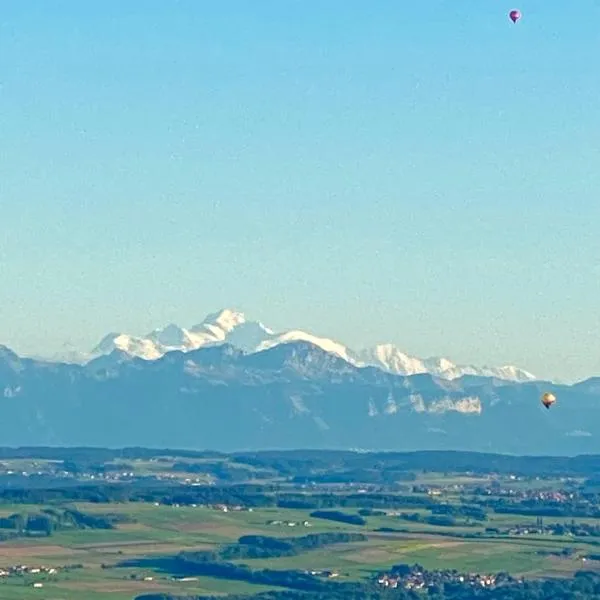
pixel 22 570
pixel 290 523
pixel 418 578
pixel 19 570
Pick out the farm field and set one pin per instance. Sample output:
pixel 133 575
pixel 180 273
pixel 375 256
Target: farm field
pixel 167 530
pixel 196 526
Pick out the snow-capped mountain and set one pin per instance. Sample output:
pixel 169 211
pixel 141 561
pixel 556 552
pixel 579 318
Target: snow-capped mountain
pixel 293 395
pixel 135 346
pixel 225 326
pixel 389 358
pixel 232 327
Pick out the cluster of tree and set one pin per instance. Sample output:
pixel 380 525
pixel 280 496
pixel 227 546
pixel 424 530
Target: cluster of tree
pixel 467 511
pixel 369 501
pixel 222 471
pixel 169 493
pixel 371 512
pixel 394 466
pixel 190 564
pixel 336 515
pixel 563 553
pixel 295 463
pixel 454 534
pixel 448 515
pixel 260 546
pixel 543 508
pixel 438 520
pixel 368 476
pixel 141 491
pixel 49 520
pixel 96 468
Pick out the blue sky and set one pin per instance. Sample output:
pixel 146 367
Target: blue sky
pixel 420 173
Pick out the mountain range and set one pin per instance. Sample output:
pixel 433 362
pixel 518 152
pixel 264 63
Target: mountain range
pixel 232 327
pixel 278 392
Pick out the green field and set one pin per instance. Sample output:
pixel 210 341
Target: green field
pixel 164 530
pixel 88 560
pixel 97 585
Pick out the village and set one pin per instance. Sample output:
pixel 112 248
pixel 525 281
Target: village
pixel 494 489
pixel 24 570
pixel 417 578
pixel 571 529
pixel 20 570
pixel 290 523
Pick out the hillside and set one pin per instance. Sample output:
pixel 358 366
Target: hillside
pixel 292 395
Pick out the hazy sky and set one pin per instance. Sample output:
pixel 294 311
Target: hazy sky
pixel 423 173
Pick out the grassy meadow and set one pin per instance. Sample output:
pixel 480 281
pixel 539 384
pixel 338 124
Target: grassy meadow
pixel 164 530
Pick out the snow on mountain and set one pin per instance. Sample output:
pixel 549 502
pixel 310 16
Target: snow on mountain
pixel 448 370
pixel 172 337
pixel 231 327
pixel 132 345
pixel 217 328
pixel 513 373
pixel 391 359
pixel 225 320
pixel 301 336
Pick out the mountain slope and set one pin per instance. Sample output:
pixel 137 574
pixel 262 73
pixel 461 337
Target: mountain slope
pixel 389 358
pixel 291 395
pixel 231 327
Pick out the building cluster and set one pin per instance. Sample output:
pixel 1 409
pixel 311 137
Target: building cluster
pixel 494 489
pixel 326 573
pixel 421 579
pixel 56 471
pixel 290 523
pixel 562 529
pixel 230 508
pixel 219 507
pixel 20 570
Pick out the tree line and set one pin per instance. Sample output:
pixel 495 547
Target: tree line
pixel 269 495
pixel 48 520
pixel 584 586
pixel 262 546
pixel 342 464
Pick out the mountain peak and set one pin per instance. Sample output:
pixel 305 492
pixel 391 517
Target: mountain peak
pixel 9 360
pixel 295 394
pixel 6 352
pixel 171 336
pixel 135 346
pixel 302 356
pixel 230 326
pixel 226 318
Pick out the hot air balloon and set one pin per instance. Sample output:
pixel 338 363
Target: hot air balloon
pixel 548 399
pixel 515 15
